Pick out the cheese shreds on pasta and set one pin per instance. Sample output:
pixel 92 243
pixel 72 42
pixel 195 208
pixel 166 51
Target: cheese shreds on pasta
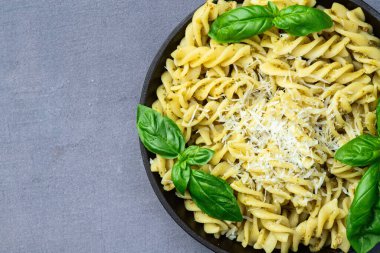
pixel 275 108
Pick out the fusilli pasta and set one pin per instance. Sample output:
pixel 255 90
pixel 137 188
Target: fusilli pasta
pixel 275 108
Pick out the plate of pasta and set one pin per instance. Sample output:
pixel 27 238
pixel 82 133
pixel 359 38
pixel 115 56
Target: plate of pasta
pixel 259 124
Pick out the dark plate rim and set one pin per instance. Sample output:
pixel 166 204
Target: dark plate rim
pixel 144 153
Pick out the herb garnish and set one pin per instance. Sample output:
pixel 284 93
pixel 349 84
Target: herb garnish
pixel 363 220
pixel 161 136
pixel 244 22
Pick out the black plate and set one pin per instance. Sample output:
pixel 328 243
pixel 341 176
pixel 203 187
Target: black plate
pixel 174 205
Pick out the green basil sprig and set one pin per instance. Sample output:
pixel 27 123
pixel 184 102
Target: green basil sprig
pixel 363 220
pixel 244 22
pixel 161 136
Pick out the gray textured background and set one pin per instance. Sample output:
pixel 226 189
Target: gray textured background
pixel 71 176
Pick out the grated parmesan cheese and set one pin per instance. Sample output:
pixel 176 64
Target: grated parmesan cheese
pixel 284 140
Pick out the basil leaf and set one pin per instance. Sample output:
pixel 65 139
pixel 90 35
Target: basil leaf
pixel 181 175
pixel 299 20
pixel 378 117
pixel 159 134
pixel 195 155
pixel 361 151
pixel 241 23
pixel 363 220
pixel 273 8
pixel 214 196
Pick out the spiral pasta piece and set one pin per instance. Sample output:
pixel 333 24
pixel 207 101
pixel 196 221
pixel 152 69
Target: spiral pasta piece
pixel 319 71
pixel 210 57
pixel 311 47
